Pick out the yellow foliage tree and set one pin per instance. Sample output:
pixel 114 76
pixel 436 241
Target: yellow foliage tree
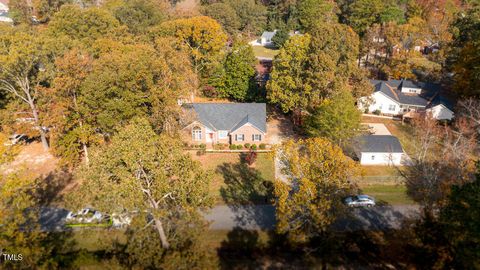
pixel 319 175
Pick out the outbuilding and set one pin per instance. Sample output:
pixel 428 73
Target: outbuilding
pixel 379 150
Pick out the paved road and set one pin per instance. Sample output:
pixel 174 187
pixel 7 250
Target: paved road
pixel 262 217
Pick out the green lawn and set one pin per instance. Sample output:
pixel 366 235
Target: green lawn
pixel 236 182
pixel 261 51
pixel 390 194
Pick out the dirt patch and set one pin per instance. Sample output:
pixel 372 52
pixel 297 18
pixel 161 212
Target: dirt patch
pixel 33 158
pixel 279 128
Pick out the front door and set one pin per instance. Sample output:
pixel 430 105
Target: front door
pixel 209 137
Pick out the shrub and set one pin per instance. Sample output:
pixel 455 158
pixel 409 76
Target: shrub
pixel 233 147
pixel 210 91
pixel 239 147
pixel 377 112
pixel 251 157
pixel 247 145
pixel 253 147
pixel 262 146
pixel 203 146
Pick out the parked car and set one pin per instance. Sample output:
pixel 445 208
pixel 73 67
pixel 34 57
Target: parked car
pixel 85 215
pixel 360 200
pixel 14 139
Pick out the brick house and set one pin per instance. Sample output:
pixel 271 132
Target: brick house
pixel 228 123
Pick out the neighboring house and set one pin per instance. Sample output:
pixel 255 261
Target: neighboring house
pixel 265 40
pixel 379 150
pixel 405 97
pixel 229 123
pixel 4 17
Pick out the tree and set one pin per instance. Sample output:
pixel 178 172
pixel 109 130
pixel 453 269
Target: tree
pixel 19 214
pixel 253 15
pixel 363 13
pixel 337 119
pixel 465 53
pixel 315 66
pixel 319 175
pixel 84 25
pixel 280 37
pixel 202 37
pixel 288 85
pixel 460 223
pixel 141 171
pixel 239 72
pixel 314 12
pixel 22 66
pixel 136 80
pixel 225 15
pixel 72 136
pixel 442 157
pixel 139 15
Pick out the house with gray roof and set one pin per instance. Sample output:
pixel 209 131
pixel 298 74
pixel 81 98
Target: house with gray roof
pixel 265 39
pixel 406 97
pixel 379 150
pixel 229 123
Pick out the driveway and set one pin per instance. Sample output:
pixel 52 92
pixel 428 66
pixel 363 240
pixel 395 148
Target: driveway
pixel 279 127
pixel 377 129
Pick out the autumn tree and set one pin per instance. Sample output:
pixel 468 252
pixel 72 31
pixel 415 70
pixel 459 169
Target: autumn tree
pixel 83 25
pixel 336 118
pixel 144 173
pixel 202 37
pixel 319 175
pixel 465 53
pixel 442 157
pixel 315 66
pixel 22 71
pixel 72 136
pixel 288 85
pixel 19 214
pixel 136 80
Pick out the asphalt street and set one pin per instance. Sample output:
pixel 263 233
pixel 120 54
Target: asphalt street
pixel 262 217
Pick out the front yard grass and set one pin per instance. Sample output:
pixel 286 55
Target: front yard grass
pixel 235 182
pixel 260 51
pixel 390 194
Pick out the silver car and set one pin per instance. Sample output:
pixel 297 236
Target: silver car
pixel 360 200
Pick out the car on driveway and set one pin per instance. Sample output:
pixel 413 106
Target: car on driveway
pixel 85 215
pixel 359 201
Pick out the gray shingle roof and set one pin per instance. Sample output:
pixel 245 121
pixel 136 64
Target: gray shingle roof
pixel 268 35
pixel 431 93
pixel 379 144
pixel 231 116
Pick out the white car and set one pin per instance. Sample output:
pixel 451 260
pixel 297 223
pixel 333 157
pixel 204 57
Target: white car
pixel 85 215
pixel 360 200
pixel 14 139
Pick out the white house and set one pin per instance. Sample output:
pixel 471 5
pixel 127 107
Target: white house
pixel 265 39
pixel 399 97
pixel 379 150
pixel 4 12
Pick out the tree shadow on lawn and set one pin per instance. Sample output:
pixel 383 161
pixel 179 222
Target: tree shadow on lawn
pixel 247 194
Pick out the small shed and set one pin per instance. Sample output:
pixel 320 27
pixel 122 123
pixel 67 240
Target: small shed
pixel 379 150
